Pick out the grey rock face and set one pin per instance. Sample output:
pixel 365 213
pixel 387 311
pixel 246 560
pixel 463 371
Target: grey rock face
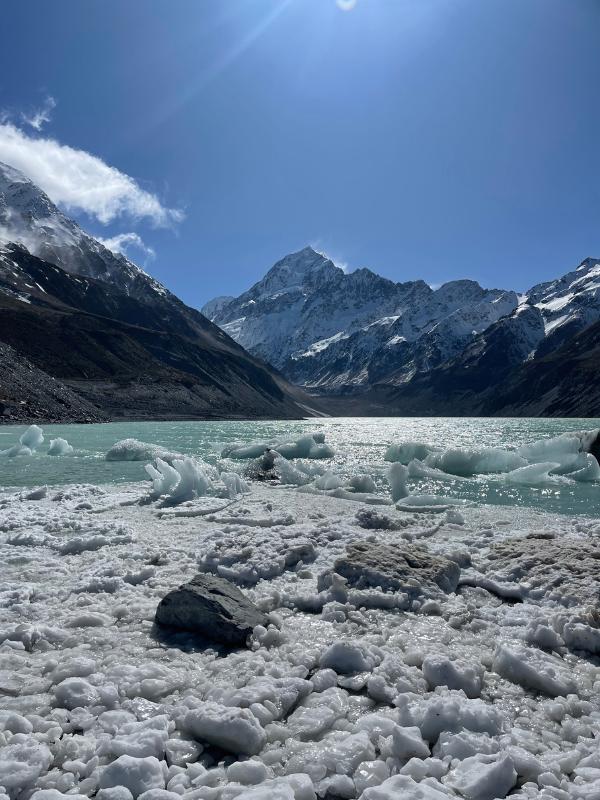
pixel 399 567
pixel 211 607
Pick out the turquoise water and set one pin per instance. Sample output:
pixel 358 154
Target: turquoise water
pixel 360 444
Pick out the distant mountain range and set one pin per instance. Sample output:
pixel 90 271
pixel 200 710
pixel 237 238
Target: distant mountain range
pixel 87 335
pixel 369 345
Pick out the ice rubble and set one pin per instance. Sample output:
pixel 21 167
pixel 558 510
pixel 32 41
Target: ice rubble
pixel 569 455
pixel 473 674
pixel 311 446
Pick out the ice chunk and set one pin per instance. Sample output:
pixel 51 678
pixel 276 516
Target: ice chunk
pixel 329 481
pixel 428 502
pixel 362 483
pixel 16 450
pixel 397 476
pixel 587 469
pixel 185 479
pixel 440 670
pixel 305 447
pixel 234 484
pixel 450 711
pixel 464 744
pixel 405 787
pixel 483 777
pixel 534 669
pixel 310 446
pixel 345 657
pixel 15 723
pixel 247 772
pixel 370 773
pixel 406 451
pixel 397 567
pixel 534 474
pixel 139 775
pixel 288 473
pixel 134 450
pixel 32 438
pixel 75 693
pixel 579 636
pixel 465 463
pixel 54 794
pixel 289 787
pixel 22 761
pixel 236 730
pixel 59 447
pixel 408 743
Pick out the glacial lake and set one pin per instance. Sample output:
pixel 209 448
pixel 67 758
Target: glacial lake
pixel 360 445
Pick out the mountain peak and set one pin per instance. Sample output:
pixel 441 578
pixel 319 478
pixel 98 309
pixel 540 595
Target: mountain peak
pixel 10 174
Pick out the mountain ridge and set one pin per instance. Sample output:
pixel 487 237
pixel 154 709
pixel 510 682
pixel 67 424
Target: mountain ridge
pixel 404 337
pixel 118 342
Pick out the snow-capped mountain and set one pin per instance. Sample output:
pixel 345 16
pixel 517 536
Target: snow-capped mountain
pixel 568 304
pixel 111 338
pixel 305 299
pixel 341 333
pixel 328 329
pixel 28 216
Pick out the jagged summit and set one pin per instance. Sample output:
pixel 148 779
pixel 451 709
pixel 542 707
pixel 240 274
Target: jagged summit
pixel 339 332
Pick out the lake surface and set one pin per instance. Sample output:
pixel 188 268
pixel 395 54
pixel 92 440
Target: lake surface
pixel 359 444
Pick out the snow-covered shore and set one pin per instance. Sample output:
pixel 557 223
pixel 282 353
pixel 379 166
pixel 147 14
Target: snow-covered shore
pixel 351 690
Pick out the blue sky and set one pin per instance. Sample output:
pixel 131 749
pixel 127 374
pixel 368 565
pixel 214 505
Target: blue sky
pixel 428 139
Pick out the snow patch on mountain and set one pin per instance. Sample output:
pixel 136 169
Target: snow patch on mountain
pixel 29 217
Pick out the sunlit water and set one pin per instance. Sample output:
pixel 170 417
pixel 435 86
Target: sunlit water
pixel 359 443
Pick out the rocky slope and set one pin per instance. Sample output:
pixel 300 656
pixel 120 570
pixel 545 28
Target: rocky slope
pixel 110 334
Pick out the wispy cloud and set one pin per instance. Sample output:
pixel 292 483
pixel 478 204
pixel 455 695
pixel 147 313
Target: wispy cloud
pixel 124 242
pixel 80 181
pixel 40 116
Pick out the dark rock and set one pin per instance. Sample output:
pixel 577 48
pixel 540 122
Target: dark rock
pixel 213 608
pixel 396 567
pixel 594 447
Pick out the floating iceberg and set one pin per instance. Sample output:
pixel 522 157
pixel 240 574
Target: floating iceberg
pixel 406 451
pixel 571 454
pixel 33 437
pixel 310 446
pixel 134 450
pixel 28 442
pixel 59 447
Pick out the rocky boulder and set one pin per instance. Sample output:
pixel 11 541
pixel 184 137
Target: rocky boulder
pixel 398 567
pixel 213 608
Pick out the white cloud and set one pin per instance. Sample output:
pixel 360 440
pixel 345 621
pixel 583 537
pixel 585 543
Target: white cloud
pixel 123 242
pixel 39 117
pixel 346 5
pixel 79 181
